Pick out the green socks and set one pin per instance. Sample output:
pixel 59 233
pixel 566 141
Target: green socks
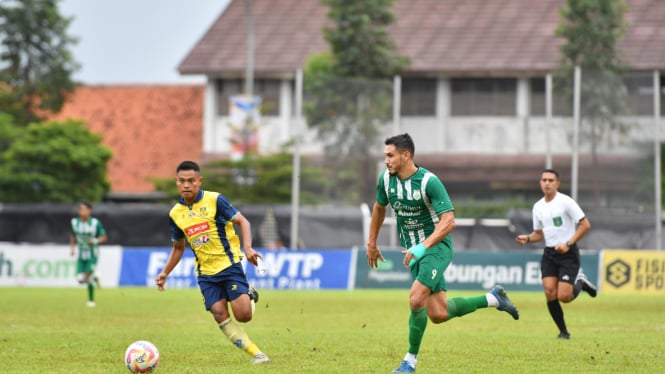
pixel 461 306
pixel 91 291
pixel 457 307
pixel 417 325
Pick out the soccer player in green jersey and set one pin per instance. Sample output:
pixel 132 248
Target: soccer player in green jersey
pixel 87 234
pixel 425 220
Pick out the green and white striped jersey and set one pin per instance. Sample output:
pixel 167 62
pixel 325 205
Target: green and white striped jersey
pixel 418 202
pixel 83 231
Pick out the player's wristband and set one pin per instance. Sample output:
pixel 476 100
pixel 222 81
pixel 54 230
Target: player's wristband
pixel 418 251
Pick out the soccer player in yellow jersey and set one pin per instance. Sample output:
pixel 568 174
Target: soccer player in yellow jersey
pixel 205 219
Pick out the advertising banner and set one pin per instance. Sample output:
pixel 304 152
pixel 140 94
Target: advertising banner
pixel 39 265
pixel 633 272
pixel 140 266
pixel 324 269
pixel 470 270
pixel 303 270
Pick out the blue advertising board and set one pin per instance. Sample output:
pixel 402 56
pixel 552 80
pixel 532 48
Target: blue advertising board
pixel 304 270
pixel 307 269
pixel 140 266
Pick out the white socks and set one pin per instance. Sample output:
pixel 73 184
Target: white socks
pixel 411 359
pixel 491 300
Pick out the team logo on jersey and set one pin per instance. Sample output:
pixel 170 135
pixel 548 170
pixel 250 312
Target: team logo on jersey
pixel 201 240
pixel 203 212
pixel 558 221
pixel 197 229
pixel 416 195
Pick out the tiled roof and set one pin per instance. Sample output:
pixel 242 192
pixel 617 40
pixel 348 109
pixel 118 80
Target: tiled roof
pixel 149 128
pixel 443 36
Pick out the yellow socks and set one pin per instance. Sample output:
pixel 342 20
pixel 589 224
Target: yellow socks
pixel 238 337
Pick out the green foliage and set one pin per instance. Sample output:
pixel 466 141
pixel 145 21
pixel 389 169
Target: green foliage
pixel 359 40
pixel 312 332
pixel 57 161
pixel 591 30
pixel 255 180
pixel 348 91
pixel 8 131
pixel 36 63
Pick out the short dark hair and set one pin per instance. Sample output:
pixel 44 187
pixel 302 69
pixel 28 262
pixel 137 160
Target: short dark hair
pixel 556 173
pixel 87 204
pixel 402 142
pixel 188 165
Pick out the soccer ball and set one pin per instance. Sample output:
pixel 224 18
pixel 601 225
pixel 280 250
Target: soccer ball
pixel 141 357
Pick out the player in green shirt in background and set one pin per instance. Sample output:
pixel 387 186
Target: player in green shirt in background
pixel 87 234
pixel 425 220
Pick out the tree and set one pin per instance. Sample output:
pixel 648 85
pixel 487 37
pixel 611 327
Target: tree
pixel 56 161
pixel 591 30
pixel 35 61
pixel 272 182
pixel 359 40
pixel 348 91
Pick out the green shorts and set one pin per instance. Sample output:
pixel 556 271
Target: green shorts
pixel 86 266
pixel 431 268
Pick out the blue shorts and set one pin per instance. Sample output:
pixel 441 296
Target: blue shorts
pixel 228 284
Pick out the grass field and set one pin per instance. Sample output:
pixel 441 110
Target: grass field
pixel 52 331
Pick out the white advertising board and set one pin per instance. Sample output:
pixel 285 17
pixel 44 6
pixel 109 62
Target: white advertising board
pixel 51 265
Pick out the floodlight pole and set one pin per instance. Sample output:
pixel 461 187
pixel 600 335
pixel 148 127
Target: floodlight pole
pixel 657 166
pixel 295 174
pixel 249 73
pixel 576 131
pixel 548 120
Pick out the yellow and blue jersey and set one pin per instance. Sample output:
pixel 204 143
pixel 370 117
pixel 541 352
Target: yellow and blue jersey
pixel 207 225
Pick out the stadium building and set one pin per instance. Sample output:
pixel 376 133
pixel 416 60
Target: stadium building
pixel 473 95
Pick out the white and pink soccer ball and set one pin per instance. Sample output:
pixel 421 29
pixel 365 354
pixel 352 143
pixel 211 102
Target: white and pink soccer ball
pixel 141 357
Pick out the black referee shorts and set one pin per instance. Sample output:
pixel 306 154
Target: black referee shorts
pixel 564 266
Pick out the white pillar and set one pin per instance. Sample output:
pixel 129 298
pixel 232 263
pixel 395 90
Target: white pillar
pixel 210 131
pixel 285 112
pixel 443 100
pixel 522 109
pixel 397 104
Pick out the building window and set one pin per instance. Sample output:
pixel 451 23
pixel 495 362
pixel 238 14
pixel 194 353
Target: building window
pixel 560 106
pixel 639 87
pixel 268 89
pixel 484 97
pixel 418 97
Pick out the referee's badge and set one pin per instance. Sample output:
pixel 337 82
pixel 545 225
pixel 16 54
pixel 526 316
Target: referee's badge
pixel 558 221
